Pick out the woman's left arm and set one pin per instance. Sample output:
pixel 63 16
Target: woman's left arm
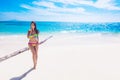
pixel 28 34
pixel 38 37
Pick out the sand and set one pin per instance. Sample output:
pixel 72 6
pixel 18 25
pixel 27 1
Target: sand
pixel 63 57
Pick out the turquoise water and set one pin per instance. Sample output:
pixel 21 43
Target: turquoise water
pixel 21 27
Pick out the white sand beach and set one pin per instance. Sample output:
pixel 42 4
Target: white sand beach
pixel 63 57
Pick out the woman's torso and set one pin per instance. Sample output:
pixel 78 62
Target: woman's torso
pixel 33 36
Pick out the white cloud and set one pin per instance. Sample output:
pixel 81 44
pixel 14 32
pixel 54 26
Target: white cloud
pixel 25 16
pixel 70 11
pixel 104 4
pixel 37 10
pixel 45 4
pixel 52 12
pixel 52 9
pixel 26 6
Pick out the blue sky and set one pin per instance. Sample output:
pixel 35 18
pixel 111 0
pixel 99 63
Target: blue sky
pixel 61 10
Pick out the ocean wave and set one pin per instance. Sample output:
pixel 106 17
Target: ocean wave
pixel 60 27
pixel 71 31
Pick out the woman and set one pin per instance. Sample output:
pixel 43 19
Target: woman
pixel 33 42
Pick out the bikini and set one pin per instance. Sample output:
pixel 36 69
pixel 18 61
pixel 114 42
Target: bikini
pixel 31 37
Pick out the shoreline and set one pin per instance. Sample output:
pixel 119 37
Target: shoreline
pixel 80 36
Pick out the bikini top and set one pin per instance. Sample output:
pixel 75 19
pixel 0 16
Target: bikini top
pixel 33 36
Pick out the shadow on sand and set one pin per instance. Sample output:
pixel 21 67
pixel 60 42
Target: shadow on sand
pixel 23 75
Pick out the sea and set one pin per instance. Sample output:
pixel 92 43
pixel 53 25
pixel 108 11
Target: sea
pixel 47 27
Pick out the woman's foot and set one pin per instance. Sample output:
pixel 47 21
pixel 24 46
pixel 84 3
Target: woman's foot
pixel 34 66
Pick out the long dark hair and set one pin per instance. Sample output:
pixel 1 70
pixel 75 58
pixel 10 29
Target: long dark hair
pixel 36 30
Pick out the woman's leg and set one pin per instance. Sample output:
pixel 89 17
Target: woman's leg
pixel 33 55
pixel 36 53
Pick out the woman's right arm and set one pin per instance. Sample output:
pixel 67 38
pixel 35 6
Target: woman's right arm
pixel 28 34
